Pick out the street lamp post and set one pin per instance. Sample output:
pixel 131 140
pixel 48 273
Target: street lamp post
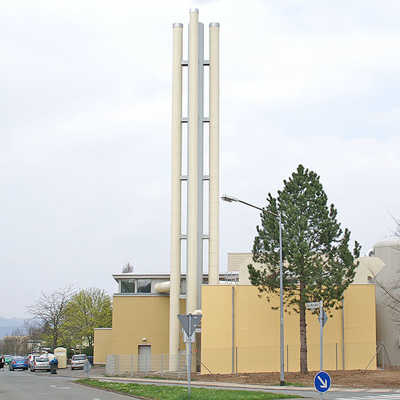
pixel 231 199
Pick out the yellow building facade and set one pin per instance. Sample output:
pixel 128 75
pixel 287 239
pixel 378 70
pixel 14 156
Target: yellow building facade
pixel 102 345
pixel 240 332
pixel 137 321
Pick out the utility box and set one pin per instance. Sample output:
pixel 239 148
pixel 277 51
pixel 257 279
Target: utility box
pixel 61 354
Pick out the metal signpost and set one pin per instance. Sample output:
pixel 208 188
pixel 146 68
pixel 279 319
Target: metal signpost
pixel 322 380
pixel 189 324
pixel 87 368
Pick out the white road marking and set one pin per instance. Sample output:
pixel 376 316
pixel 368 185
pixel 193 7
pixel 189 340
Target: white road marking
pixel 60 387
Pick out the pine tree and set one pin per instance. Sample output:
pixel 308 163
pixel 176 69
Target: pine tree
pixel 318 264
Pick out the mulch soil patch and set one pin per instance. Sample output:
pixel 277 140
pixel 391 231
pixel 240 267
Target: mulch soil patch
pixel 388 378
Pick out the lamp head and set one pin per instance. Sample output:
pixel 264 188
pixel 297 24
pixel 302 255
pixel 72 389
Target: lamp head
pixel 229 199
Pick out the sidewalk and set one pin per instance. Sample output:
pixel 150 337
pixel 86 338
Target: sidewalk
pixel 227 385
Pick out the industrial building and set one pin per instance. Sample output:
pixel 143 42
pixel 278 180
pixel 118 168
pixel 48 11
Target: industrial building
pixel 239 330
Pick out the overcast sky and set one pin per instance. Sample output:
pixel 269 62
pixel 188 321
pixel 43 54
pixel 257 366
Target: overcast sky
pixel 85 96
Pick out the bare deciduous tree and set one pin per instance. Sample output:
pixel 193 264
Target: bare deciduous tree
pixel 50 311
pixel 397 230
pixel 391 296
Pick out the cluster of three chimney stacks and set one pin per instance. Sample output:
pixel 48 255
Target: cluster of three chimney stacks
pixel 195 177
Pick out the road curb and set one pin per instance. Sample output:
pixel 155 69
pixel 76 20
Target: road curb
pixel 228 385
pixel 223 385
pixel 112 391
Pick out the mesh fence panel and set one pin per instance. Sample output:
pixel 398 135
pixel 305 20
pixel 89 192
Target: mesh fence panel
pixel 252 359
pixel 247 359
pixel 132 365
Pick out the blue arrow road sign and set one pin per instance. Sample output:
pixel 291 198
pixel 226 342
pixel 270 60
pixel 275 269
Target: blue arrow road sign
pixel 322 381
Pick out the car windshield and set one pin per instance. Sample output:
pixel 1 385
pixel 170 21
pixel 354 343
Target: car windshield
pixel 76 358
pixel 19 359
pixel 42 359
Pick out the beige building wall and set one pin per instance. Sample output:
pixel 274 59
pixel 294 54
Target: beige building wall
pixel 238 262
pixel 102 345
pixel 367 269
pixel 240 332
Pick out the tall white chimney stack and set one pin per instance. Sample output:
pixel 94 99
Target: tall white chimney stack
pixel 196 177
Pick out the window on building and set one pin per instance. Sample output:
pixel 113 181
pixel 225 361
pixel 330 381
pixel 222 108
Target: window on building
pixel 127 286
pixel 144 286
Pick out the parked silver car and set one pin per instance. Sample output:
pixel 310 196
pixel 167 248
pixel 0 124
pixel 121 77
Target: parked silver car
pixel 31 359
pixel 40 363
pixel 78 361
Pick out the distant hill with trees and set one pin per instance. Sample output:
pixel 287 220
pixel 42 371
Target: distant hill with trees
pixel 7 325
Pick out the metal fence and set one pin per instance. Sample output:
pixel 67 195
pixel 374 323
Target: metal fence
pixel 252 359
pixel 132 365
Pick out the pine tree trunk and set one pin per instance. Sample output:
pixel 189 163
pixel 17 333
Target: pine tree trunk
pixel 303 334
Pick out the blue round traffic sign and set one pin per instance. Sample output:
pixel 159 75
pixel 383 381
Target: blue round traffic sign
pixel 322 381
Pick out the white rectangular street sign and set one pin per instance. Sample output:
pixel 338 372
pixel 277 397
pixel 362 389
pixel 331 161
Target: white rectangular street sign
pixel 186 338
pixel 313 305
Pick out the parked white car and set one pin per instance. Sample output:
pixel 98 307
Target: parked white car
pixel 78 361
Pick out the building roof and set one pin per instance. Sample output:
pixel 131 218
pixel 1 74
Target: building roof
pixel 393 242
pixel 130 275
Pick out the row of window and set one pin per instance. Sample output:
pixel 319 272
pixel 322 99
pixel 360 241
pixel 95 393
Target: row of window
pixel 135 286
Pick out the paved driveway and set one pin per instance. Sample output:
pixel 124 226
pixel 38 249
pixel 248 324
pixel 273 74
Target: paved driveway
pixel 80 373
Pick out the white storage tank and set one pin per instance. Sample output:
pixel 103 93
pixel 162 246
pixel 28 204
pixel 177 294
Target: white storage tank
pixel 388 251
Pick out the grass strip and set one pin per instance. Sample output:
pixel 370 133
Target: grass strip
pixel 155 392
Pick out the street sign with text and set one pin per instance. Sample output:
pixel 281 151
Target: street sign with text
pixel 313 305
pixel 187 339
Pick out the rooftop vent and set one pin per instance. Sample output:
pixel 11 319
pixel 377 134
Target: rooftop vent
pixel 127 269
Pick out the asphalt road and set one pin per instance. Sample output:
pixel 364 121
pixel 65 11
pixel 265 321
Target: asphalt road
pixel 24 385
